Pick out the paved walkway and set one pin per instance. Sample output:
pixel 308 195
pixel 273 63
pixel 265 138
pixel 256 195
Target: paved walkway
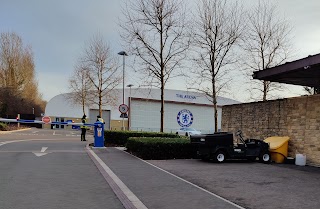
pixel 139 184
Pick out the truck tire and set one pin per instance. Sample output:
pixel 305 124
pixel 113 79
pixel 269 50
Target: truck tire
pixel 265 157
pixel 220 156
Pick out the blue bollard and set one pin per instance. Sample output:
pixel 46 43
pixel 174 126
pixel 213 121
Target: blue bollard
pixel 98 134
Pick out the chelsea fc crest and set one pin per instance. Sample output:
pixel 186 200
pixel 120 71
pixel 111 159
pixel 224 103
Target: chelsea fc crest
pixel 185 118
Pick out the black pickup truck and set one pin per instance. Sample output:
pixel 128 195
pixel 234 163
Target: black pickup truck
pixel 220 146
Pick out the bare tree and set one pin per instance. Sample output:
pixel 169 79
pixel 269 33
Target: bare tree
pixel 80 86
pixel 311 90
pixel 267 44
pixel 155 32
pixel 102 70
pixel 217 30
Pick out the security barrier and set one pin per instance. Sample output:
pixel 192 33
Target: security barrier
pixel 98 128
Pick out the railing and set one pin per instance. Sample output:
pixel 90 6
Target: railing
pixel 41 122
pixel 166 130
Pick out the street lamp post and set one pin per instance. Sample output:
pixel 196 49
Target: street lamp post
pixel 123 53
pixel 129 85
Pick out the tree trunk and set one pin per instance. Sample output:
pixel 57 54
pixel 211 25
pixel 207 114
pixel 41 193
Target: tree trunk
pixel 214 97
pixel 162 92
pixel 162 77
pixel 264 91
pixel 162 106
pixel 100 104
pixel 83 104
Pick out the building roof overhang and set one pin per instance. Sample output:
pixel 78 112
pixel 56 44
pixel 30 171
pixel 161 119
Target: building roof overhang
pixel 304 72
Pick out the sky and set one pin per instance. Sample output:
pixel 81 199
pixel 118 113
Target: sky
pixel 58 30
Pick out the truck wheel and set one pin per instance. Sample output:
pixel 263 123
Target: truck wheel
pixel 220 157
pixel 265 157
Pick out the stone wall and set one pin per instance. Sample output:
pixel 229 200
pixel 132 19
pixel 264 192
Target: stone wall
pixel 298 118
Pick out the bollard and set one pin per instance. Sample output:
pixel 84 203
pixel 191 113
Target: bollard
pixel 18 118
pixel 98 134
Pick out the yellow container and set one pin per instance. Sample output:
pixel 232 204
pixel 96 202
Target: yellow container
pixel 278 147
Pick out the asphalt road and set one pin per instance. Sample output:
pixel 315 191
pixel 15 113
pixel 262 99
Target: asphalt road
pixel 157 188
pixel 252 185
pixel 51 171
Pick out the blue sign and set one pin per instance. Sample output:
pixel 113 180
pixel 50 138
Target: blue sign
pixel 185 118
pixel 185 96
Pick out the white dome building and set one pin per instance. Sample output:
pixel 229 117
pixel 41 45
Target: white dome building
pixel 182 108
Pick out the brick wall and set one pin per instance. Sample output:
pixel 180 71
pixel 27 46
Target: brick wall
pixel 298 118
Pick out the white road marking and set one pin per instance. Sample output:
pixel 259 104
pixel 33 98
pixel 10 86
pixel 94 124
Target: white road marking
pixel 54 133
pixel 35 132
pixel 8 142
pixel 41 153
pixel 26 140
pixel 39 134
pixel 43 149
pixel 38 154
pixel 211 193
pixel 51 151
pixel 133 199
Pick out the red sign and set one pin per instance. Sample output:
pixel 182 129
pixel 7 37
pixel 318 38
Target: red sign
pixel 123 108
pixel 46 119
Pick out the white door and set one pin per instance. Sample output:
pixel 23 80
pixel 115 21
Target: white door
pixel 93 113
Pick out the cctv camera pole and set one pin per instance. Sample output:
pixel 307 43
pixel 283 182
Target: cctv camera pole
pixel 129 117
pixel 123 93
pixel 123 53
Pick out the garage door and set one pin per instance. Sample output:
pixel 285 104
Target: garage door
pixel 145 116
pixel 93 113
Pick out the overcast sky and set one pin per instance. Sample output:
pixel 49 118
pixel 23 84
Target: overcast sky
pixel 57 31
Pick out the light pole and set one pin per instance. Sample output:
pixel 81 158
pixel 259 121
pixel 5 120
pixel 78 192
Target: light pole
pixel 123 53
pixel 129 85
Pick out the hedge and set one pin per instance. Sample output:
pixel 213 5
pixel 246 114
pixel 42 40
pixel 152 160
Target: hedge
pixel 159 148
pixel 120 138
pixel 3 127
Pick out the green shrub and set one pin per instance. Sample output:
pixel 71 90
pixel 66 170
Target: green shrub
pixel 120 138
pixel 3 127
pixel 159 148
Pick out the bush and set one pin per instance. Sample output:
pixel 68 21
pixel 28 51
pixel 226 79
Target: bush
pixel 120 138
pixel 159 148
pixel 3 127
